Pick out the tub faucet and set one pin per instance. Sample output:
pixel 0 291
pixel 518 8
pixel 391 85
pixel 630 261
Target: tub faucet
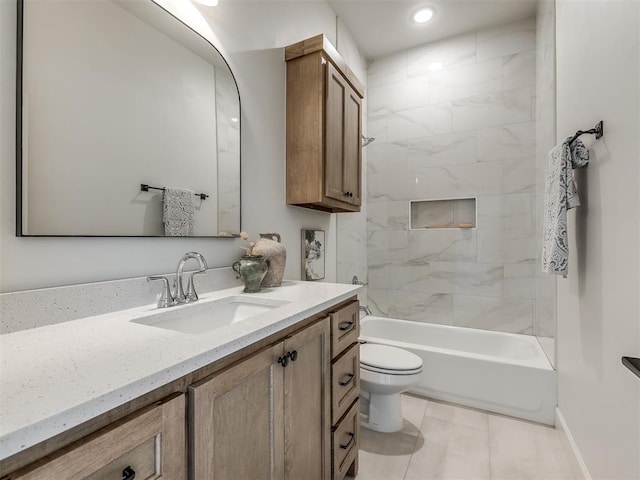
pixel 191 295
pixel 366 310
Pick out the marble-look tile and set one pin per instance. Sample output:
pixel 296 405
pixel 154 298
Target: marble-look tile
pixel 508 142
pixel 519 176
pixel 346 270
pixel 449 277
pixel 378 300
pixel 519 70
pixel 378 274
pixel 458 415
pixel 432 214
pixel 352 247
pixel 458 50
pixel 520 280
pixel 450 451
pixel 394 186
pixel 545 306
pixel 394 97
pixel 418 122
pixel 516 245
pixel 525 450
pixel 500 314
pixel 465 180
pixel 377 128
pixel 389 69
pixel 387 245
pixel 352 221
pixel 465 81
pixel 421 307
pixel 497 212
pixel 387 216
pixel 386 157
pixel 453 245
pixel 507 39
pixel 502 108
pixel 441 150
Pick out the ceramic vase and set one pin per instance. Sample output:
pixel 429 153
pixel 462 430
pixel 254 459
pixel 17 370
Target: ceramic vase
pixel 269 247
pixel 251 269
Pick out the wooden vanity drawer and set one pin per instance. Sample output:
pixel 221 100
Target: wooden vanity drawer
pixel 345 374
pixel 346 442
pixel 150 444
pixel 345 327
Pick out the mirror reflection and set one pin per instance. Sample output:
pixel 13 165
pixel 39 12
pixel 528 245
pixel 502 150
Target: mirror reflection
pixel 116 95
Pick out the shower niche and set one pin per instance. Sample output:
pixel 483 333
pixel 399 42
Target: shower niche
pixel 443 213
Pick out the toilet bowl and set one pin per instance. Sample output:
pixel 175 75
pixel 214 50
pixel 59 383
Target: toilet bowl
pixel 385 372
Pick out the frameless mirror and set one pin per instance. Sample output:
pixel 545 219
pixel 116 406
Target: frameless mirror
pixel 112 96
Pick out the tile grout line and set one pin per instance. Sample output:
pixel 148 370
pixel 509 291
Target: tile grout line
pixel 424 415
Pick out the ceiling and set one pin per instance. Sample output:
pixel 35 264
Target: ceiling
pixel 381 27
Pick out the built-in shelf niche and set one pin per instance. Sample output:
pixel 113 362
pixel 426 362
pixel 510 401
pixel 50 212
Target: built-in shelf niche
pixel 443 213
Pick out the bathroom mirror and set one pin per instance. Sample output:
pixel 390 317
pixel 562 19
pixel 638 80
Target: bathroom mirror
pixel 113 95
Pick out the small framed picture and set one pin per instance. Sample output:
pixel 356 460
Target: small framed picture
pixel 313 254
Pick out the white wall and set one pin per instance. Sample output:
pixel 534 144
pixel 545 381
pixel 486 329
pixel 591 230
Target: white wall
pixel 251 36
pixel 598 78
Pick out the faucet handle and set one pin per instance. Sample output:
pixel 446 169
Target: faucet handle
pixel 166 299
pixel 191 295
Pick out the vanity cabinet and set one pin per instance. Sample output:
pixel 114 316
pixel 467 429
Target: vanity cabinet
pixel 345 389
pixel 324 128
pixel 150 444
pixel 266 417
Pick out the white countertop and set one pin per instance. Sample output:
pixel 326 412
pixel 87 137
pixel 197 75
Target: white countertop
pixel 55 377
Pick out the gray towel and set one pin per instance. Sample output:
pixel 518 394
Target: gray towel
pixel 178 212
pixel 561 195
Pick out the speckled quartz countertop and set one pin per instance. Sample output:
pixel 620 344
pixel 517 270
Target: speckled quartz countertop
pixel 55 377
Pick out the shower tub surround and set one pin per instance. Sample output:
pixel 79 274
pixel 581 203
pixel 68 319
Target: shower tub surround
pixel 500 372
pixel 455 119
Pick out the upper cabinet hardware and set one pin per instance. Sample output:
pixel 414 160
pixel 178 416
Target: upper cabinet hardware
pixel 128 473
pixel 145 188
pixel 284 361
pixel 598 130
pixel 293 355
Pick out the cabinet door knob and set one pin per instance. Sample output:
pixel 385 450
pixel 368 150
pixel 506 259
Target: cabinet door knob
pixel 293 355
pixel 128 473
pixel 348 444
pixel 284 361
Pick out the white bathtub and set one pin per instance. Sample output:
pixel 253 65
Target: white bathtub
pixel 499 372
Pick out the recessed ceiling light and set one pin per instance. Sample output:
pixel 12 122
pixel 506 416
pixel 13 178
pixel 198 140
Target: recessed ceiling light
pixel 208 3
pixel 423 15
pixel 435 66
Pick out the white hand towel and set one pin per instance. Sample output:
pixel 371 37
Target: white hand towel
pixel 561 195
pixel 178 212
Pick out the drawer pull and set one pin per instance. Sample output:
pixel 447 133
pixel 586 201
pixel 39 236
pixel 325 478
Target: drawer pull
pixel 346 380
pixel 346 326
pixel 128 473
pixel 348 444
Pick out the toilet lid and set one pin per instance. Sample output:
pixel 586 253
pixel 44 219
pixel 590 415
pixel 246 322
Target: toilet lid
pixel 384 357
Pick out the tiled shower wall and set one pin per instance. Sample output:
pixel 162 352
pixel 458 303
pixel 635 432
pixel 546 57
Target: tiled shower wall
pixel 465 130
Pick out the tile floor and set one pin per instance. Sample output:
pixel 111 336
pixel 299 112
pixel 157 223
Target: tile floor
pixel 445 441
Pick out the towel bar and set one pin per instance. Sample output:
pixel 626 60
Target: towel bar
pixel 145 188
pixel 598 130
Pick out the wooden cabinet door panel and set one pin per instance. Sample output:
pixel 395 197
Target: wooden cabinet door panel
pixel 307 404
pixel 352 147
pixel 336 94
pixel 234 419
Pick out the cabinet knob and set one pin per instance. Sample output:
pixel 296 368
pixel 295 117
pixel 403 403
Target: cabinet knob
pixel 293 355
pixel 128 473
pixel 284 361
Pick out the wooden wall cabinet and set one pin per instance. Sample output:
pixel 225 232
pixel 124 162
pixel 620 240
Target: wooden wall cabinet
pixel 324 128
pixel 267 417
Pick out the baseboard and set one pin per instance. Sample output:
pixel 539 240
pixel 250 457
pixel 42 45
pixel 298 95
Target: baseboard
pixel 577 463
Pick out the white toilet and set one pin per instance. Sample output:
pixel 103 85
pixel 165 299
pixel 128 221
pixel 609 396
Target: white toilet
pixel 385 372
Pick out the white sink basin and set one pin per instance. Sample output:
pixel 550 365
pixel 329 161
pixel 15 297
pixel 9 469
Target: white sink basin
pixel 201 317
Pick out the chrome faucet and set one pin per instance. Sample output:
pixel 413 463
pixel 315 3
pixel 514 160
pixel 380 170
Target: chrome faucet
pixel 191 295
pixel 365 309
pixel 176 295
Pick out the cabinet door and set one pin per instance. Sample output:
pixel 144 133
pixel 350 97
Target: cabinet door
pixel 352 147
pixel 236 421
pixel 336 94
pixel 307 404
pixel 150 444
